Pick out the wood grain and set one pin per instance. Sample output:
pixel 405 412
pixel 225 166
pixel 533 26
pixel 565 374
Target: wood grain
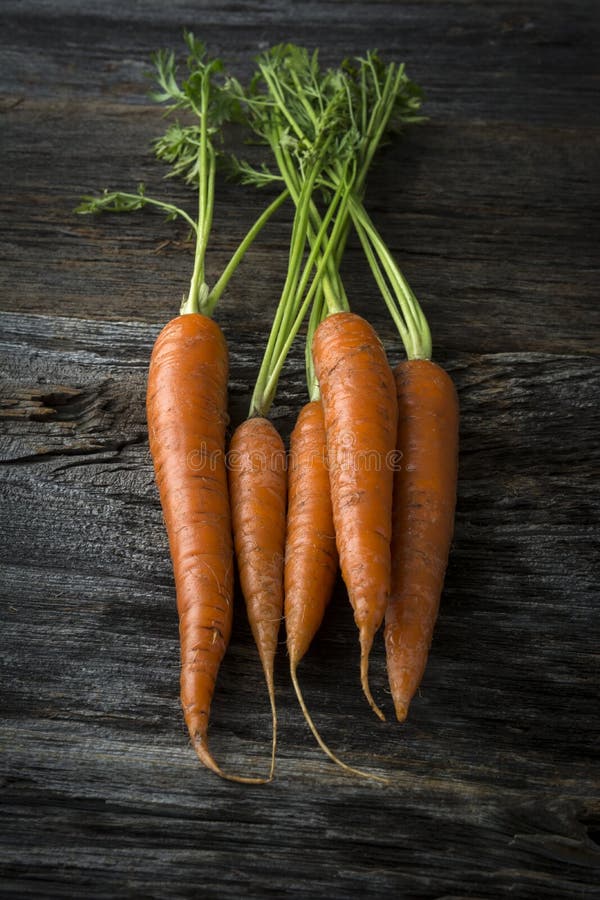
pixel 492 210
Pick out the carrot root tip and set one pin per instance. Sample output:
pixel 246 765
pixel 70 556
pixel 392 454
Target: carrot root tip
pixel 401 710
pixel 208 760
pixel 271 690
pixel 366 641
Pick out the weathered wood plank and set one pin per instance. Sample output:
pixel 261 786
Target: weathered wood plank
pixel 476 55
pixel 499 746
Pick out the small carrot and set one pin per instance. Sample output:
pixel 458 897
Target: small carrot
pixel 311 558
pixel 257 487
pixel 423 520
pixel 257 466
pixel 360 407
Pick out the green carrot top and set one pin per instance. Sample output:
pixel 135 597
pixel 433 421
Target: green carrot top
pixel 191 150
pixel 323 128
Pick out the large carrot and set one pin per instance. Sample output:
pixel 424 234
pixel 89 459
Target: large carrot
pixel 424 481
pixel 187 394
pixel 423 520
pixel 257 486
pixel 360 407
pixel 187 417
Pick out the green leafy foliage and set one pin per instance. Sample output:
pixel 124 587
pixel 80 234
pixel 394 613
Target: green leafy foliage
pixel 121 201
pixel 294 105
pixel 179 146
pixel 323 127
pixel 204 94
pixel 191 147
pixel 112 201
pixel 202 83
pixel 258 175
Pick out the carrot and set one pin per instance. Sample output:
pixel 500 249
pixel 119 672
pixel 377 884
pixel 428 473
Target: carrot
pixel 424 481
pixel 423 520
pixel 186 429
pixel 257 487
pixel 311 558
pixel 360 407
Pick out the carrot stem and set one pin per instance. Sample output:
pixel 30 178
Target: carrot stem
pixel 223 281
pixel 288 331
pixel 199 293
pixel 294 303
pixel 404 306
pixel 316 314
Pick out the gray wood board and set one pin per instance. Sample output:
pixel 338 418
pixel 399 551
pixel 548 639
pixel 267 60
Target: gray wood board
pixel 491 207
pixel 498 748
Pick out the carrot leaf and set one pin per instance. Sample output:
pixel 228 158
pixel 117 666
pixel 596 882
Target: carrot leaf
pixel 191 149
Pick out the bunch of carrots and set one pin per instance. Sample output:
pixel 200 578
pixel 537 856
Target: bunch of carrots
pixel 368 487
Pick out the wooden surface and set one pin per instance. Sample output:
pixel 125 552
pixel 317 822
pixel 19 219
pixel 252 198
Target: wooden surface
pixel 492 210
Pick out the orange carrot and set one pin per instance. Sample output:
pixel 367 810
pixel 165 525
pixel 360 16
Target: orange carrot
pixel 425 480
pixel 257 487
pixel 423 520
pixel 360 407
pixel 186 410
pixel 311 558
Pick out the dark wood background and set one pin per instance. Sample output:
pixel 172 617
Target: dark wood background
pixel 492 211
